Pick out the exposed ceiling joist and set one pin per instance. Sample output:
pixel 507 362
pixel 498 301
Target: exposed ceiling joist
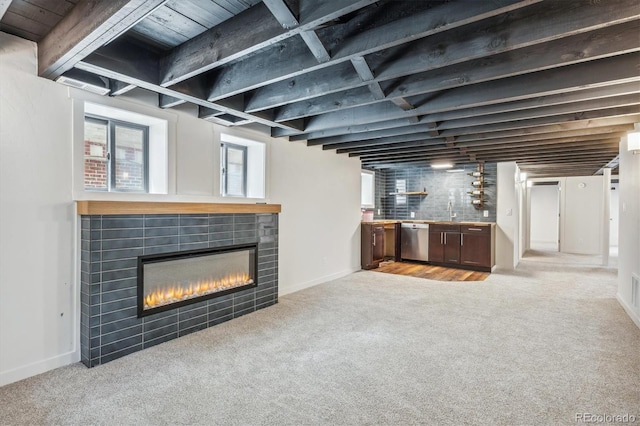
pixel 391 82
pixel 89 25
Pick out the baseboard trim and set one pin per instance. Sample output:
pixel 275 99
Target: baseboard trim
pixel 39 367
pixel 632 314
pixel 307 284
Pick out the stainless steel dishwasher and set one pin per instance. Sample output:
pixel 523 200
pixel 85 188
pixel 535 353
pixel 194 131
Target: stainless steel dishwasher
pixel 414 240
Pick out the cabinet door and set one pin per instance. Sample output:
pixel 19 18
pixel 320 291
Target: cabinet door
pixel 436 246
pixel 378 244
pixel 475 250
pixel 452 247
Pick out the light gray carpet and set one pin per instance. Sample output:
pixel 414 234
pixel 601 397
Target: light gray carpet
pixel 532 347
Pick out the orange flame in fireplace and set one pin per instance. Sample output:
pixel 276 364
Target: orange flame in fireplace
pixel 177 292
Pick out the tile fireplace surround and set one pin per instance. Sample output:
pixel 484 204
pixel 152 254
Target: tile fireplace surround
pixel 114 234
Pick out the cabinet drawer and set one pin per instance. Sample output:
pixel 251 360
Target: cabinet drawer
pixel 479 230
pixel 444 228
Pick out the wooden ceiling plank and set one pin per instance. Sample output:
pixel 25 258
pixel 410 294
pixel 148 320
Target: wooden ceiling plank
pixel 35 13
pixel 242 76
pixel 199 11
pixel 466 64
pixel 89 25
pixel 60 8
pixel 4 5
pixel 26 27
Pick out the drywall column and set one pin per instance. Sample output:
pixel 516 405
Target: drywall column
pixel 606 217
pixel 629 236
pixel 507 216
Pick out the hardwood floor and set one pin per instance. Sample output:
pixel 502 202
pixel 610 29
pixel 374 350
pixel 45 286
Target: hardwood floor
pixel 440 273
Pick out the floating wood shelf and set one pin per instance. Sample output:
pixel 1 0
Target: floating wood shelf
pixel 142 207
pixel 410 193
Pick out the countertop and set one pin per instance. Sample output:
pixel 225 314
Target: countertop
pixel 430 222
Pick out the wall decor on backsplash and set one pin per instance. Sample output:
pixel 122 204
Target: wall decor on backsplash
pixel 442 186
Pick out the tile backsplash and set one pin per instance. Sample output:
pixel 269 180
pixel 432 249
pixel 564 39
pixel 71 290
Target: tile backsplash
pixel 442 187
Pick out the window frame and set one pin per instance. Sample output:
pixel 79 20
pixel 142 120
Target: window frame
pixel 111 150
pixel 224 164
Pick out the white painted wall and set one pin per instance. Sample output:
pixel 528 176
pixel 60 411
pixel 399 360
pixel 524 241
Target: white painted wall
pixel 509 194
pixel 582 215
pixel 629 237
pixel 39 122
pixel 544 214
pixel 37 218
pixel 320 219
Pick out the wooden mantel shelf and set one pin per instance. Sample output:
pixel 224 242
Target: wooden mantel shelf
pixel 144 207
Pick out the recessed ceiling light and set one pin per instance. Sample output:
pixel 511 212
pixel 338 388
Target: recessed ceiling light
pixel 442 166
pixel 455 171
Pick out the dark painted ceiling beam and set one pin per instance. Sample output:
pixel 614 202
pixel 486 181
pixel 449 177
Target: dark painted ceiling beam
pixel 425 23
pixel 486 145
pixel 495 138
pixel 602 158
pixel 248 32
pixel 89 25
pixel 287 18
pixel 124 62
pixel 482 116
pixel 578 128
pixel 288 59
pixel 598 118
pixel 602 72
pixel 166 101
pixel 565 147
pixel 431 54
pixel 548 146
pixel 355 133
pixel 562 52
pixel 119 88
pixel 283 13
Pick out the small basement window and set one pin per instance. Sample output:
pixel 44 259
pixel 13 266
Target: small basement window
pixel 121 151
pixel 242 167
pixel 116 155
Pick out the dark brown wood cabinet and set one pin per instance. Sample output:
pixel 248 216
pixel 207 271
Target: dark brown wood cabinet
pixel 476 247
pixel 444 244
pixel 464 246
pixel 372 250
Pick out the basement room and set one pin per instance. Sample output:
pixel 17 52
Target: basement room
pixel 319 212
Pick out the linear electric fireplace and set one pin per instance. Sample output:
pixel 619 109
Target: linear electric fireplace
pixel 171 280
pixel 114 235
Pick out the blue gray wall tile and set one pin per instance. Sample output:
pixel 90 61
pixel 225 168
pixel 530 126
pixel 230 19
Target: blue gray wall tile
pixel 110 245
pixel 442 187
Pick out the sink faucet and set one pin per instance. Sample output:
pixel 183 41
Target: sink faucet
pixel 450 210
